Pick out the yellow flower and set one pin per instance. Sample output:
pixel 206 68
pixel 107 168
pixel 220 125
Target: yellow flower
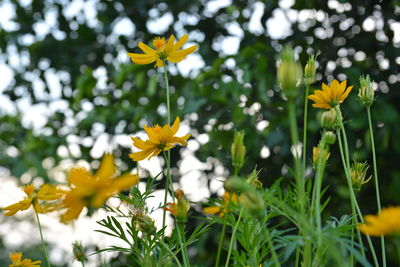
pixel 181 207
pixel 93 190
pixel 163 51
pixel 222 209
pixel 331 95
pixel 45 193
pixel 160 139
pixel 385 223
pixel 17 261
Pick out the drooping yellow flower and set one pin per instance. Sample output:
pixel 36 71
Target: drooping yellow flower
pixel 227 200
pixel 163 51
pixel 39 200
pixel 331 95
pixel 92 191
pixel 160 139
pixel 17 261
pixel 181 207
pixel 385 223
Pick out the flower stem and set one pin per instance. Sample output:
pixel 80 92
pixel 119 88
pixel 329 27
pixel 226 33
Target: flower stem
pixel 378 199
pixel 222 237
pixel 169 251
pixel 169 155
pixel 233 238
pixel 41 237
pixel 181 237
pixel 272 248
pixel 304 154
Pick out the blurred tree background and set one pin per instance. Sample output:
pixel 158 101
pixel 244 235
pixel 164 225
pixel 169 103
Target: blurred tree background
pixel 72 85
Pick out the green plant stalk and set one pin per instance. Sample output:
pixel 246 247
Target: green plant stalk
pixel 41 237
pixel 169 251
pixel 353 199
pixel 318 184
pixel 168 158
pixel 83 264
pixel 305 121
pixel 295 141
pixel 181 237
pixel 233 238
pixel 376 180
pixel 222 237
pixel 272 248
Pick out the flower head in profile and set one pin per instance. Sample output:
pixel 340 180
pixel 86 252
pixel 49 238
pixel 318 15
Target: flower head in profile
pixel 179 208
pixel 92 190
pixel 44 200
pixel 160 139
pixel 220 210
pixel 385 223
pixel 331 95
pixel 17 261
pixel 164 50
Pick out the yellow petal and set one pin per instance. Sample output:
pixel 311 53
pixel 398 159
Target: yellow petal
pixel 107 167
pixel 147 49
pixel 177 56
pixel 141 155
pixel 72 213
pixel 175 126
pixel 142 58
pixel 181 42
pixel 212 210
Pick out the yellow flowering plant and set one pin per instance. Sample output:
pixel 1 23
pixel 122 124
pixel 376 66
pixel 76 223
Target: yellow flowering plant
pixel 331 95
pixel 386 222
pixel 17 261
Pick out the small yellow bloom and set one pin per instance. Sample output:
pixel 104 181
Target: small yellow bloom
pixel 38 200
pixel 163 51
pixel 160 139
pixel 181 207
pixel 385 223
pixel 93 190
pixel 17 261
pixel 331 95
pixel 220 210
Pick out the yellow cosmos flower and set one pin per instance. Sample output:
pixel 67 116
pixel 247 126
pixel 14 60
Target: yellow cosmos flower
pixel 163 51
pixel 17 261
pixel 160 139
pixel 92 191
pixel 331 95
pixel 385 223
pixel 39 199
pixel 223 208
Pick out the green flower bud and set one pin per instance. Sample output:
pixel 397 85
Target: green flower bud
pixel 253 180
pixel 358 174
pixel 366 92
pixel 145 224
pixel 79 251
pixel 319 152
pixel 289 72
pixel 329 119
pixel 329 138
pixel 253 203
pixel 309 70
pixel 238 150
pixel 236 185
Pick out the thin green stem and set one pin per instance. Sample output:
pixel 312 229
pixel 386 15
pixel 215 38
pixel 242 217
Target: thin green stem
pixel 233 238
pixel 83 264
pixel 318 184
pixel 305 119
pixel 168 159
pixel 170 252
pixel 181 237
pixel 272 248
pixel 297 161
pixel 353 199
pixel 41 237
pixel 376 180
pixel 222 237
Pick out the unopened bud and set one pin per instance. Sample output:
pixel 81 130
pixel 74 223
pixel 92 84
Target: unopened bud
pixel 289 72
pixel 253 202
pixel 236 185
pixel 366 92
pixel 145 224
pixel 309 70
pixel 79 251
pixel 253 180
pixel 329 138
pixel 329 119
pixel 180 208
pixel 358 174
pixel 238 150
pixel 319 153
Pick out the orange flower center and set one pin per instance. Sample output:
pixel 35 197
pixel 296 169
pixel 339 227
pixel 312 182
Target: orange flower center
pixel 159 43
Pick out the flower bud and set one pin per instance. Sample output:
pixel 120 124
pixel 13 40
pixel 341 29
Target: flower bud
pixel 309 70
pixel 252 179
pixel 79 251
pixel 236 185
pixel 253 202
pixel 145 224
pixel 358 173
pixel 289 72
pixel 238 150
pixel 329 119
pixel 317 153
pixel 180 208
pixel 329 138
pixel 366 92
